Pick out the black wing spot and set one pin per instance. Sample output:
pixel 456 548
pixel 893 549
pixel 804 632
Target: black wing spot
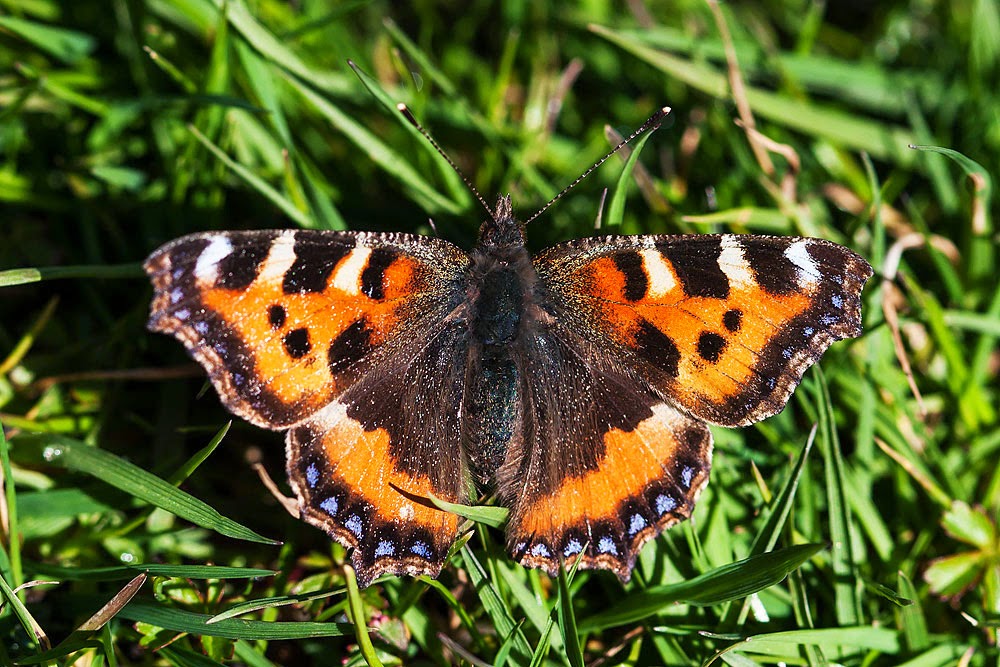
pixel 297 343
pixel 661 349
pixel 276 316
pixel 314 262
pixel 631 266
pixel 773 270
pixel 733 319
pixel 697 267
pixel 349 347
pixel 710 346
pixel 240 267
pixel 372 284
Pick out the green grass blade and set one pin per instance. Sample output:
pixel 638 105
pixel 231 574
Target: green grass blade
pixel 258 184
pixel 911 617
pixel 770 533
pixel 858 637
pixel 537 615
pixel 24 617
pixel 729 582
pixel 13 511
pixel 390 160
pixel 359 618
pixel 70 46
pixel 497 609
pixel 768 536
pixel 115 573
pixel 79 457
pixel 846 582
pixel 271 603
pixel 878 138
pixel 458 189
pixel 567 617
pixel 544 642
pixel 272 48
pixel 12 277
pixel 616 207
pixel 178 620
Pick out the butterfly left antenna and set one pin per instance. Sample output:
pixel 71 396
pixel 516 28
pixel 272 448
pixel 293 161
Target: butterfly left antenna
pixel 403 109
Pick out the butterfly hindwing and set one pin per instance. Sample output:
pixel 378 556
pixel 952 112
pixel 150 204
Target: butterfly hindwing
pixel 724 326
pixel 606 464
pixel 365 466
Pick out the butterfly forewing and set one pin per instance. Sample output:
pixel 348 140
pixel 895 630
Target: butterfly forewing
pixel 286 321
pixel 722 326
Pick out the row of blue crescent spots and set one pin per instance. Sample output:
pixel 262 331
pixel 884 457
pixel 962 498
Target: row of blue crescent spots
pixel 355 524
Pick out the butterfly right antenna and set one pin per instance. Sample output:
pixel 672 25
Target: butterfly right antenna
pixel 651 124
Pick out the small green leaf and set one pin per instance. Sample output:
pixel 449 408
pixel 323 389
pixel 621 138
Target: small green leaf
pixel 969 525
pixel 495 517
pixel 952 575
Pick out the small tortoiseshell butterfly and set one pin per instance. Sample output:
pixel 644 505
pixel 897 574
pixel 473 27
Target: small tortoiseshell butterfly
pixel 575 384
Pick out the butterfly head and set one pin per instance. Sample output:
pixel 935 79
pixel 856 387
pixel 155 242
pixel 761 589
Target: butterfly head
pixel 501 229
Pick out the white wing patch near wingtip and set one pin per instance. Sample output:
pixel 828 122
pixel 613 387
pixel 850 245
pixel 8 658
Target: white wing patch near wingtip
pixel 280 258
pixel 206 270
pixel 348 276
pixel 661 275
pixel 734 264
pixel 798 254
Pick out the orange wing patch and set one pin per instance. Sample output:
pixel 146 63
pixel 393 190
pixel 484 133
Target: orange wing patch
pixel 648 480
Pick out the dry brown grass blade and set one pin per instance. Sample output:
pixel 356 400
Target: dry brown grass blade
pixel 890 269
pixel 738 90
pixel 291 506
